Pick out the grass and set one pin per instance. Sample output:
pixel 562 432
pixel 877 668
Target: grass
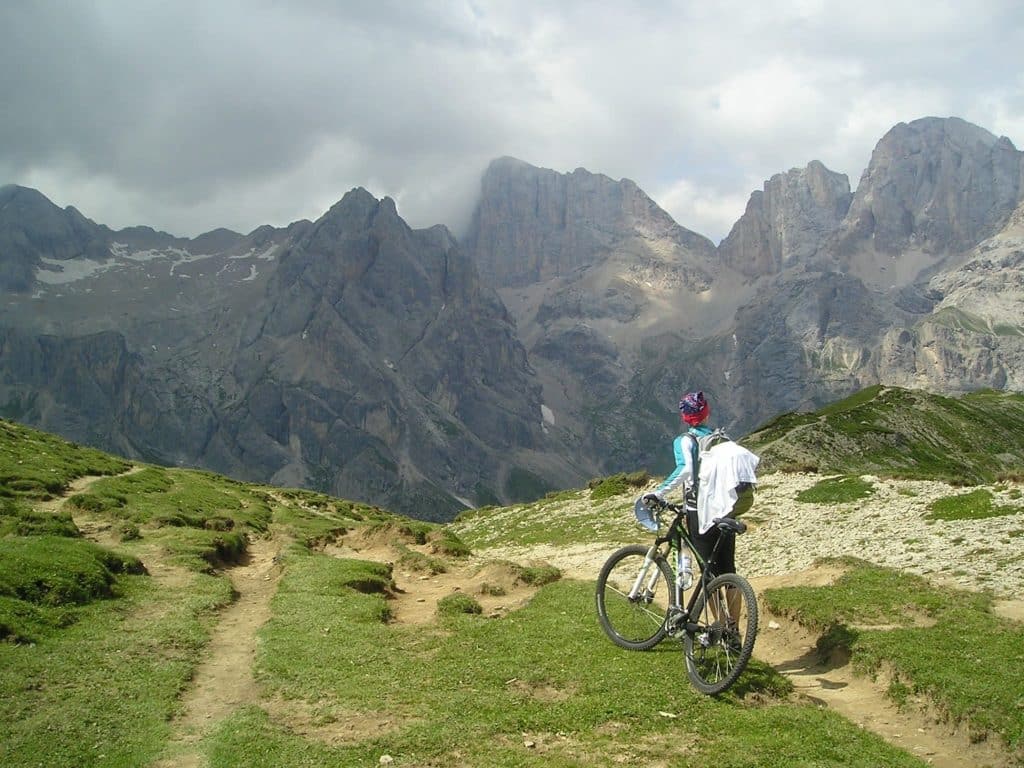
pixel 894 432
pixel 837 490
pixel 946 643
pixel 974 505
pixel 474 691
pixel 94 672
pixel 37 465
pixel 58 571
pixel 17 518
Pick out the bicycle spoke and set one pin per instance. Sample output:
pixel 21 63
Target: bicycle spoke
pixel 635 622
pixel 726 626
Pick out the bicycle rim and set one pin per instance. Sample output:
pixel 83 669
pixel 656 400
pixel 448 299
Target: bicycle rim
pixel 725 619
pixel 636 623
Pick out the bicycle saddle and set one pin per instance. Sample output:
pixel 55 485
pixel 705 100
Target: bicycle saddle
pixel 729 524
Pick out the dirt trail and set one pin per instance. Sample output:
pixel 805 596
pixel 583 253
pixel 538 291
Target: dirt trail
pixel 790 649
pixel 224 680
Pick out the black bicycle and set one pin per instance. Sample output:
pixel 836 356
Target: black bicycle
pixel 640 593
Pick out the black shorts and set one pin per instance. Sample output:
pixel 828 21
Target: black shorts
pixel 704 543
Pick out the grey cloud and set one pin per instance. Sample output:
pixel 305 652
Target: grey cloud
pixel 241 113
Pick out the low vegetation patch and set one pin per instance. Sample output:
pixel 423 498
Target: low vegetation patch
pixel 58 571
pixel 18 518
pixel 458 603
pixel 445 541
pixel 974 505
pixel 38 465
pixel 901 433
pixel 616 485
pixel 419 562
pixel 836 490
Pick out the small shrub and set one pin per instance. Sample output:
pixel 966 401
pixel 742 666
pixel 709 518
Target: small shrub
pixel 538 575
pixel 603 488
pixel 129 532
pixel 415 532
pixel 493 590
pixel 447 543
pixel 218 523
pixel 420 563
pixel 458 603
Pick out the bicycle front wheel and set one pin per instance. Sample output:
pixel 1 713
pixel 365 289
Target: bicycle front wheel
pixel 633 601
pixel 724 627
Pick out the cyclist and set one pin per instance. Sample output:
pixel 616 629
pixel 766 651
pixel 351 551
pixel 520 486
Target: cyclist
pixel 694 410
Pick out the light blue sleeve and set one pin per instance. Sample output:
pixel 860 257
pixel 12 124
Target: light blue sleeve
pixel 682 475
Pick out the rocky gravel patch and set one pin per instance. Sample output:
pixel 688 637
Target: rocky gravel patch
pixel 890 528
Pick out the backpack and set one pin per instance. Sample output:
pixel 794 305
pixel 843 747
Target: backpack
pixel 701 443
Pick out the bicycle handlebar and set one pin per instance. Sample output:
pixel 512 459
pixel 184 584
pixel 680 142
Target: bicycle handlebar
pixel 725 524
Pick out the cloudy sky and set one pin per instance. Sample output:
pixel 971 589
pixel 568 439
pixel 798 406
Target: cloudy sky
pixel 194 114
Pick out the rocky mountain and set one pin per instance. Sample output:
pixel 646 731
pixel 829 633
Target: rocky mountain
pixel 356 355
pixel 352 354
pixel 593 271
pixel 815 293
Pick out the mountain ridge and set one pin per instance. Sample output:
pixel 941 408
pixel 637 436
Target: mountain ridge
pixel 546 346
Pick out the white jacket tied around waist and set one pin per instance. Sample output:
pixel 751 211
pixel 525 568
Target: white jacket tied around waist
pixel 722 468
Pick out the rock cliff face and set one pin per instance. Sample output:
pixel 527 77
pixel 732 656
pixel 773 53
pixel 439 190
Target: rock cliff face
pixel 788 221
pixel 358 356
pixel 933 190
pixel 533 225
pixel 589 268
pixel 377 359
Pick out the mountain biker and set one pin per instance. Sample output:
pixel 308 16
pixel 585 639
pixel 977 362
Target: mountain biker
pixel 694 410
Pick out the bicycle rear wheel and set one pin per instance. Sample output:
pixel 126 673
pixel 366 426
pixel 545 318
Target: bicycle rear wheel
pixel 724 620
pixel 638 622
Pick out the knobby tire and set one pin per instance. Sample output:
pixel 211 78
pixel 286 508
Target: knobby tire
pixel 637 625
pixel 717 653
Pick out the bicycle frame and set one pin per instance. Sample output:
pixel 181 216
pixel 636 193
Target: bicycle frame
pixel 675 538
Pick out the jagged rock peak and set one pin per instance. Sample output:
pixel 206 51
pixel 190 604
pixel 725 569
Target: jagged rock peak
pixel 787 221
pixel 532 224
pixel 358 205
pixel 937 184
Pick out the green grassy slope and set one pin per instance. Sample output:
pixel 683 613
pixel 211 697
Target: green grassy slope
pixel 102 640
pixel 901 433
